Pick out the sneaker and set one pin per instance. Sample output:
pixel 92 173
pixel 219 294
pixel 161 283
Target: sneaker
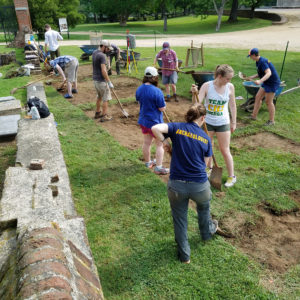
pixel 98 115
pixel 175 98
pixel 74 91
pixel 105 118
pixel 168 98
pixel 215 222
pixel 161 170
pixel 150 164
pixel 251 118
pixel 269 123
pixel 230 181
pixel 68 96
pixel 208 171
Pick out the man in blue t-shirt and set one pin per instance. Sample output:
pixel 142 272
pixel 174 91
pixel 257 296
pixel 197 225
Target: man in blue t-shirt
pixel 269 81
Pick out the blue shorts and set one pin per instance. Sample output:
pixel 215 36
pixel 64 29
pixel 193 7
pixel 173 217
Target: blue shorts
pixel 172 79
pixel 270 88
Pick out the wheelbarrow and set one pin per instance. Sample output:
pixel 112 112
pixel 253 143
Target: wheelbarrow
pixel 252 90
pixel 202 77
pixel 88 51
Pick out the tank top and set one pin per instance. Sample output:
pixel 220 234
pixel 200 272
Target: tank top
pixel 217 106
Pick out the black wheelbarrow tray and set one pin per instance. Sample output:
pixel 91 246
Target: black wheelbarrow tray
pixel 202 77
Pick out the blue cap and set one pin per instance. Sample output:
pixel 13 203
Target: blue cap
pixel 253 51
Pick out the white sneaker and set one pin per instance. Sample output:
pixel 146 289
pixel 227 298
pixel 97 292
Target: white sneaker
pixel 230 181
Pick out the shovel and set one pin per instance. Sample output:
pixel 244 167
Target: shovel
pixel 125 113
pixel 26 85
pixel 184 72
pixel 216 173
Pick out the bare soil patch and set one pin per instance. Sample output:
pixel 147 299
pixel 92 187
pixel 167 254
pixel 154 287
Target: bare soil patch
pixel 267 140
pixel 274 240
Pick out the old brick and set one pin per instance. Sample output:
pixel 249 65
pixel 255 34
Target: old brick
pixel 79 254
pixel 56 296
pixel 44 285
pixel 37 164
pixel 86 273
pixel 88 291
pixel 40 255
pixel 35 243
pixel 46 231
pixel 56 268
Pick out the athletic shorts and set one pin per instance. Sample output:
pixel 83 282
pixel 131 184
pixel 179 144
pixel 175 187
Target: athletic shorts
pixel 172 79
pixel 222 128
pixel 146 130
pixel 71 69
pixel 103 91
pixel 270 89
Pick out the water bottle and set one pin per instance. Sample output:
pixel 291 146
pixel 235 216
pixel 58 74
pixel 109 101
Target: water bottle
pixel 34 113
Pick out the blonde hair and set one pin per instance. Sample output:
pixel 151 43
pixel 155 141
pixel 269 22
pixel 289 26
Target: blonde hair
pixel 223 70
pixel 195 112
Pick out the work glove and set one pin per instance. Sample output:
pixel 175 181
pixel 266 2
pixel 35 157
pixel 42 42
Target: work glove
pixel 110 85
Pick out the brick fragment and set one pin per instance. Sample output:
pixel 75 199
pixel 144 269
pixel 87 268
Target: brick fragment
pixel 86 273
pixel 54 178
pixel 44 285
pixel 87 290
pixel 35 243
pixel 79 254
pixel 46 231
pixel 54 190
pixel 37 164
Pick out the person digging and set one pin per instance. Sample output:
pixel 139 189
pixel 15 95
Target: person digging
pixel 169 69
pixel 101 81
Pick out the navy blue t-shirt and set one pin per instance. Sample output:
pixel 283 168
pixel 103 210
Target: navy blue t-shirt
pixel 190 144
pixel 263 64
pixel 151 99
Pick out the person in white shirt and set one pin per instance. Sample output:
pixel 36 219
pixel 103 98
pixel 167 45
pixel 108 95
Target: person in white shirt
pixel 51 39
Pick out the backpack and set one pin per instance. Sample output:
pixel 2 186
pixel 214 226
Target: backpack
pixel 40 105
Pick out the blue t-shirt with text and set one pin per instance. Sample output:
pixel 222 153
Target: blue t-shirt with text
pixel 190 144
pixel 151 99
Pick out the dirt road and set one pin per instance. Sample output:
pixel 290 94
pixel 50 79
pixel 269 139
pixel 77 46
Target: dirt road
pixel 269 38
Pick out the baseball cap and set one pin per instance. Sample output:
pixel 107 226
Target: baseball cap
pixel 166 46
pixel 106 44
pixel 253 51
pixel 150 72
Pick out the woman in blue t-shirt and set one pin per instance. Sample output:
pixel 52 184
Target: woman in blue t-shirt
pixel 152 105
pixel 269 81
pixel 191 149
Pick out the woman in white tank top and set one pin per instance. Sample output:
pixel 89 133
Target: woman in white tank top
pixel 218 94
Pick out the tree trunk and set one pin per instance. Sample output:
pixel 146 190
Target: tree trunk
pixel 123 20
pixel 252 12
pixel 234 11
pixel 165 22
pixel 219 12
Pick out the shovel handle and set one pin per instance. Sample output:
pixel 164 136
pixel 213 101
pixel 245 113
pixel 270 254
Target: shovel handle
pixel 165 113
pixel 206 131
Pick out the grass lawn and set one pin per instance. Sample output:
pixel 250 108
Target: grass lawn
pixel 126 208
pixel 182 25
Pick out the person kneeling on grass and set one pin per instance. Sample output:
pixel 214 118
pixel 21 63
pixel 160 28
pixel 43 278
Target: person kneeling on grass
pixel 191 149
pixel 152 105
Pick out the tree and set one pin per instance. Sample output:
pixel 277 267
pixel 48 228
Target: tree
pixel 234 11
pixel 219 8
pixel 49 11
pixel 253 4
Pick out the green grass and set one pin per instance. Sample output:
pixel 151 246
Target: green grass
pixel 126 208
pixel 182 25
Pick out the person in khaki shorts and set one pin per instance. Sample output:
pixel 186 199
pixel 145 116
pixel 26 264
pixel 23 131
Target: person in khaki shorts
pixel 67 67
pixel 101 81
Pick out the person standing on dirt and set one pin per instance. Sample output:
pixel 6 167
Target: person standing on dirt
pixel 191 150
pixel 269 81
pixel 169 69
pixel 218 94
pixel 67 67
pixel 115 53
pixel 152 105
pixel 51 39
pixel 101 81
